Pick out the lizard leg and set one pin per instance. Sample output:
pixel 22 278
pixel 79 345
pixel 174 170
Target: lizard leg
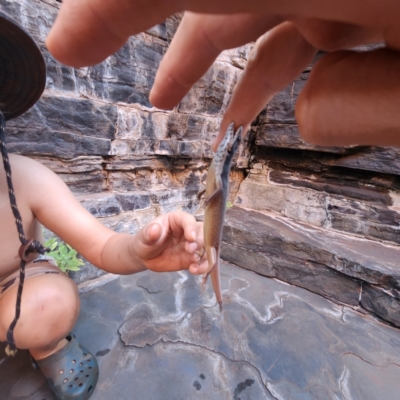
pixel 212 262
pixel 218 190
pixel 201 193
pixel 201 254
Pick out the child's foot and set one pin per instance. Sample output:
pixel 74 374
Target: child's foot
pixel 40 355
pixel 72 371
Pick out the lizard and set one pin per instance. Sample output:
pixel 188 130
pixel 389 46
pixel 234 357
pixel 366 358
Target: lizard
pixel 216 191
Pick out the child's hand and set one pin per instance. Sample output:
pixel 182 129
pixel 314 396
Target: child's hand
pixel 171 242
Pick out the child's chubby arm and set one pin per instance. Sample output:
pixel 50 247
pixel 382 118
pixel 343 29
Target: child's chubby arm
pixel 168 243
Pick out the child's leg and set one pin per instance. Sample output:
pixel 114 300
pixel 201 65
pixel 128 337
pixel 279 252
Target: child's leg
pixel 49 310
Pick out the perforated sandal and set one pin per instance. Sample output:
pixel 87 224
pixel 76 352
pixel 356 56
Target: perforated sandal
pixel 71 372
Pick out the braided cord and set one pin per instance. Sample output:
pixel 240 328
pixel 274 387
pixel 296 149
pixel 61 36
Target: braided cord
pixel 27 246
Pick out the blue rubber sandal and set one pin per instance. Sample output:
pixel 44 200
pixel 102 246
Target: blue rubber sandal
pixel 72 372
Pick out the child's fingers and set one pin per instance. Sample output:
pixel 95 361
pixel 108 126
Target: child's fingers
pixel 191 247
pixel 198 269
pixel 150 234
pixel 181 222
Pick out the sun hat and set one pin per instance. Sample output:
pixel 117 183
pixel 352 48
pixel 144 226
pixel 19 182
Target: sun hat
pixel 22 69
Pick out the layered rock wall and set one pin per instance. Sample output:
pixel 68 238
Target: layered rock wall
pixel 330 216
pixel 355 190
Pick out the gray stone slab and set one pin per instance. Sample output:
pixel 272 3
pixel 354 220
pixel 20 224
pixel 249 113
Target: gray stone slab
pixel 367 158
pixel 157 336
pixel 361 211
pixel 384 303
pixel 307 274
pixel 109 204
pixel 373 262
pixel 287 136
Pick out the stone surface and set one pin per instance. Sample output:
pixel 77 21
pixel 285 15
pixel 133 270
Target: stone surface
pixel 105 205
pixel 287 136
pixel 158 337
pixel 373 262
pixel 328 263
pixel 297 186
pixel 63 125
pixel 382 302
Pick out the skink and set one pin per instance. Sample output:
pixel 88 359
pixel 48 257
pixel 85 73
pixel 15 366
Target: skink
pixel 217 190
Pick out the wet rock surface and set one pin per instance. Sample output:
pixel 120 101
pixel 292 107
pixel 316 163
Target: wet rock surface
pixel 156 336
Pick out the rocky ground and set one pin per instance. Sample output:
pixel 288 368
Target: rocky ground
pixel 156 336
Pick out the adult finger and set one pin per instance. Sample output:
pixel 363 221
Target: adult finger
pixel 332 36
pixel 277 58
pixel 352 99
pixel 280 56
pixel 87 31
pixel 198 41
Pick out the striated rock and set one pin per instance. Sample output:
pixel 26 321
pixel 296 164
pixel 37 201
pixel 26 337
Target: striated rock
pixel 322 209
pixel 280 110
pixel 297 186
pixel 316 277
pixel 276 128
pixel 74 165
pixel 382 302
pixel 105 205
pixel 82 116
pixel 132 163
pixel 80 184
pixel 186 126
pixel 81 174
pixel 66 126
pixel 287 136
pixel 331 183
pixel 276 235
pixel 378 159
pixel 330 264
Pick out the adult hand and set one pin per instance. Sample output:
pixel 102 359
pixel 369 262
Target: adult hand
pixel 351 98
pixel 170 243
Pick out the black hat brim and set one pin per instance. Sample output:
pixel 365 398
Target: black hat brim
pixel 22 69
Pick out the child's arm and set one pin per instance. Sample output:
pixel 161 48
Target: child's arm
pixel 166 244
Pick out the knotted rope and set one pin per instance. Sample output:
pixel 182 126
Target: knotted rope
pixel 27 246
